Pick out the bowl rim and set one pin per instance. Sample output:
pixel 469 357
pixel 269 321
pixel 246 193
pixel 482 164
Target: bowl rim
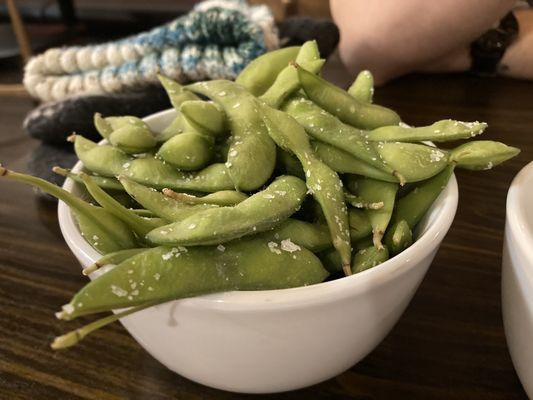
pixel 329 291
pixel 517 222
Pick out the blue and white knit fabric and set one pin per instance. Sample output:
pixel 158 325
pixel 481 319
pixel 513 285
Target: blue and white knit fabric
pixel 214 41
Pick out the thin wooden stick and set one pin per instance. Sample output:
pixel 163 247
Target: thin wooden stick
pixel 20 30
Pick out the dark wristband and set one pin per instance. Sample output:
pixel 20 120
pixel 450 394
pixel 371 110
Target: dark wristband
pixel 488 50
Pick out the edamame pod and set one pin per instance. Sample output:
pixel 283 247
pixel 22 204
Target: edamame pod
pixel 103 160
pixel 140 225
pixel 221 198
pixel 360 226
pixel 178 125
pixel 398 237
pixel 128 133
pixel 368 258
pixel 162 274
pixel 105 232
pixel 325 127
pixel 414 162
pixel 482 154
pixel 109 161
pixel 340 161
pixel 104 182
pixel 377 191
pixel 114 258
pixel 414 205
pixel 362 88
pixel 342 105
pixel 321 180
pixel 261 73
pixel 252 153
pixel 188 151
pixel 289 164
pixel 441 131
pixel 260 212
pixel 331 260
pixel 314 237
pixel 206 117
pixel 159 175
pixel 102 126
pixel 161 205
pixel 287 81
pixel 175 91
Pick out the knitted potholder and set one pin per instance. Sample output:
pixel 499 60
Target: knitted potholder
pixel 214 41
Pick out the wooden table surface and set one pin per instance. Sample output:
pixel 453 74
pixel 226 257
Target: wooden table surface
pixel 449 344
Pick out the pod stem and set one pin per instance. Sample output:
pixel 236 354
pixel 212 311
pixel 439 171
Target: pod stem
pixel 183 197
pixel 91 268
pixel 400 177
pixel 60 171
pixel 347 269
pixel 376 239
pixel 73 337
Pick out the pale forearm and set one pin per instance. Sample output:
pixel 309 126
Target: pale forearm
pixel 392 37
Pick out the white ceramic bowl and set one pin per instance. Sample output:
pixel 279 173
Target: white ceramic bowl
pixel 517 275
pixel 279 340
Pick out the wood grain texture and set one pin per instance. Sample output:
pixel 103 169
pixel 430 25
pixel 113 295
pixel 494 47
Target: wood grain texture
pixel 449 344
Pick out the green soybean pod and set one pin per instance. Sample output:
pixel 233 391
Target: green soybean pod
pixel 260 212
pixel 170 273
pixel 206 117
pixel 109 161
pixel 377 191
pixel 102 230
pixel 252 153
pixel 132 139
pixel 129 133
pixel 414 162
pixel 398 237
pixel 104 160
pixel 261 73
pixel 482 154
pixel 360 226
pixel 440 131
pixel 331 260
pixel 325 127
pixel 322 181
pixel 368 258
pixel 362 88
pixel 289 164
pixel 160 175
pixel 314 237
pixel 341 104
pixel 161 205
pixel 188 151
pixel 287 81
pixel 140 225
pixel 221 198
pixel 178 125
pixel 114 258
pixel 414 205
pixel 343 162
pixel 176 92
pixel 102 126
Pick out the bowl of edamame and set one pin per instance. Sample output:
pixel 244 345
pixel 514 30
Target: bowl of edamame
pixel 264 234
pixel 275 340
pixel 517 275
